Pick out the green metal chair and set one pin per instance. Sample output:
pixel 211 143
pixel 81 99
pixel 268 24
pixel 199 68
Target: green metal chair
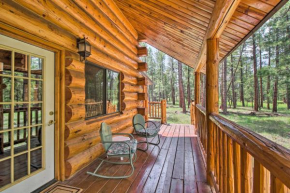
pixel 116 149
pixel 149 132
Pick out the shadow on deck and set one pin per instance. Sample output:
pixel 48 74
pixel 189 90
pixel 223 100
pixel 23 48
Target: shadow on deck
pixel 176 166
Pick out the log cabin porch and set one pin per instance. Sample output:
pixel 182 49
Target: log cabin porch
pixel 175 166
pixel 210 155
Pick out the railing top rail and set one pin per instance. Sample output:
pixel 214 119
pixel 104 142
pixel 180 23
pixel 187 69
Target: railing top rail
pixel 201 108
pixel 151 102
pixel 272 156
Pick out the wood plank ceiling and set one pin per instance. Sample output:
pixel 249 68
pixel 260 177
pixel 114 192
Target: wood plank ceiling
pixel 246 17
pixel 178 27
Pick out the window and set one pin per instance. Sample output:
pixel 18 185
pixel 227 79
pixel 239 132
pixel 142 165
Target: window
pixel 102 91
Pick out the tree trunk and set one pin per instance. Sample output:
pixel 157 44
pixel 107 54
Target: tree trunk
pixel 261 81
pixel 268 80
pixel 224 106
pixel 288 74
pixel 181 90
pixel 256 106
pixel 188 88
pixel 172 82
pixel 233 83
pixel 275 95
pixel 242 98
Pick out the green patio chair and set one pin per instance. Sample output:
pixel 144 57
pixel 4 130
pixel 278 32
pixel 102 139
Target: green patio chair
pixel 149 132
pixel 116 149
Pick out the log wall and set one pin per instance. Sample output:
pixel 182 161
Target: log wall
pixel 114 46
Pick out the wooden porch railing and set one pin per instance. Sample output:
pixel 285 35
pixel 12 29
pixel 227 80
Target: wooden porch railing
pixel 192 113
pixel 244 161
pixel 157 110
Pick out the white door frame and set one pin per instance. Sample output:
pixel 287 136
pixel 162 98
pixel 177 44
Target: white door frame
pixel 41 177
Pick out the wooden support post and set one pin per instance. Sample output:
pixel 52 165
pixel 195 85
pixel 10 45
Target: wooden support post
pixel 163 111
pixel 196 97
pixel 211 98
pixel 192 113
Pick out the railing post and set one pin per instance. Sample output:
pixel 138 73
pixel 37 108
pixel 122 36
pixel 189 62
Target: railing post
pixel 196 98
pixel 212 62
pixel 192 113
pixel 163 111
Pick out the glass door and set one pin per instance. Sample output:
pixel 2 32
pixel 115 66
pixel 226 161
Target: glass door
pixel 26 116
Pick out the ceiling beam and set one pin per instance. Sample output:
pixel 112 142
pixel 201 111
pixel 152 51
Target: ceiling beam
pixel 222 13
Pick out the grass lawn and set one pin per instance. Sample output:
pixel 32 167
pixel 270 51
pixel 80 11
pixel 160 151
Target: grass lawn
pixel 175 115
pixel 275 128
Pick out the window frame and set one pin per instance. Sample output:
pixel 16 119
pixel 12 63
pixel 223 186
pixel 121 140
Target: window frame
pixel 105 70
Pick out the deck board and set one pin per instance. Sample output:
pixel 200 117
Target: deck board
pixel 176 166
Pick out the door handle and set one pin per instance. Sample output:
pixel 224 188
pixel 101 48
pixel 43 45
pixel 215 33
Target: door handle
pixel 51 122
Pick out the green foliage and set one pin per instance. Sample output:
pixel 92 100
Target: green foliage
pixel 162 69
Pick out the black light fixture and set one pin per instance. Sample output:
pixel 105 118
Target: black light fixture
pixel 84 48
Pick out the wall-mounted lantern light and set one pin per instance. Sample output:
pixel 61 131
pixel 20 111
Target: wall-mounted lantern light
pixel 84 48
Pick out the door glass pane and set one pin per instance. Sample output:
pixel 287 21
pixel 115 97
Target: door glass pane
pixel 21 65
pixel 5 145
pixel 20 90
pixel 36 67
pixel 5 61
pixel 20 115
pixel 35 136
pixel 36 160
pixel 36 113
pixel 5 117
pixel 5 172
pixel 20 166
pixel 20 140
pixel 5 89
pixel 112 91
pixel 36 90
pixel 94 91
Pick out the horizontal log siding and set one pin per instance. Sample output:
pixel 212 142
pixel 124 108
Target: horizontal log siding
pixel 114 46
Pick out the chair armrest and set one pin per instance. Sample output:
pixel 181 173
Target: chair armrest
pixel 128 134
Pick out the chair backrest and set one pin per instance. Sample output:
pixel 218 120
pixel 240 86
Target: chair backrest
pixel 138 122
pixel 106 135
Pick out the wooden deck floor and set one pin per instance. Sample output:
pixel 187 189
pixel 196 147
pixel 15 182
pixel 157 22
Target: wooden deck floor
pixel 176 166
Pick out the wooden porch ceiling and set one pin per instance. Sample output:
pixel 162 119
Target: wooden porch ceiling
pixel 176 27
pixel 179 27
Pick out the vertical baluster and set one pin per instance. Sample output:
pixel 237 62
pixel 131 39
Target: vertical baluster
pixel 230 186
pixel 225 162
pixel 221 187
pixel 237 166
pixel 217 154
pixel 276 185
pixel 149 110
pixel 259 174
pixel 214 149
pixel 158 109
pixel 245 171
pixel 154 110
